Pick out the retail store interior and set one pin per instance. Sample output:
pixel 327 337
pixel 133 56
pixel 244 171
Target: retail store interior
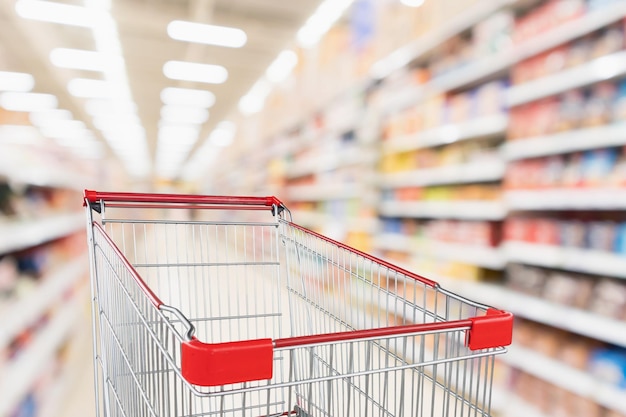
pixel 478 143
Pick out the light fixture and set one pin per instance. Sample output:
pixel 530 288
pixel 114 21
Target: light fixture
pixel 178 134
pixel 16 81
pixel 53 12
pixel 191 71
pixel 41 118
pixel 27 102
pixel 100 106
pixel 321 21
pixel 223 134
pixel 89 88
pixel 282 66
pixel 412 3
pixel 206 34
pixel 85 60
pixel 184 114
pixel 254 100
pixel 187 97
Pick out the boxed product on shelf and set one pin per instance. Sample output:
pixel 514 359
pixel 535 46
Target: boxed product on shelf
pixel 609 365
pixel 609 298
pixel 546 16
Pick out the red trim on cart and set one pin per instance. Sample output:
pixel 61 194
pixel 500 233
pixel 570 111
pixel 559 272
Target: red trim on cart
pixel 213 364
pixel 491 330
pixel 374 259
pixel 181 206
pixel 96 196
pixel 142 284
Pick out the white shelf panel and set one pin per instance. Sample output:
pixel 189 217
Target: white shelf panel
pixel 485 257
pixel 20 374
pixel 488 170
pixel 574 141
pixel 26 233
pixel 567 199
pixel 594 71
pixel 321 192
pixel 421 46
pixel 542 311
pixel 480 128
pixel 571 259
pixel 471 210
pixel 328 162
pixel 17 316
pixel 566 377
pixel 571 30
pixel 513 406
pixel 319 220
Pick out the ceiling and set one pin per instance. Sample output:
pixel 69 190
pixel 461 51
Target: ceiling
pixel 270 26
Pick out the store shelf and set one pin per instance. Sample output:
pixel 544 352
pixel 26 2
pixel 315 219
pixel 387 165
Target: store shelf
pixel 573 141
pixel 26 233
pixel 571 319
pixel 20 374
pixel 486 257
pixel 421 46
pixel 513 406
pixel 488 170
pixel 571 259
pixel 484 127
pixel 600 69
pixel 328 162
pixel 321 192
pixel 566 377
pixel 23 312
pixel 567 199
pixel 471 210
pixel 314 219
pixel 569 31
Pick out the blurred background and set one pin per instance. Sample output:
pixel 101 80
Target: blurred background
pixel 477 142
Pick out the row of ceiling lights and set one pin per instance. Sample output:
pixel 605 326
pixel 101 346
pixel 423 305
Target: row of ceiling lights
pixel 110 102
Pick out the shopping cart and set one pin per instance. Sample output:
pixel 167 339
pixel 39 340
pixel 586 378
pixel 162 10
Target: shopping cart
pixel 222 306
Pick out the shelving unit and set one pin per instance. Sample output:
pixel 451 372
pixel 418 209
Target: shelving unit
pixel 468 210
pixel 26 233
pixel 566 377
pixel 566 199
pixel 599 69
pixel 566 142
pixel 572 259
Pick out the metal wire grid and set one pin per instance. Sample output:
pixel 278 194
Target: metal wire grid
pixel 183 261
pixel 348 291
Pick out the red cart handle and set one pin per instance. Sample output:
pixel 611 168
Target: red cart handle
pixel 96 196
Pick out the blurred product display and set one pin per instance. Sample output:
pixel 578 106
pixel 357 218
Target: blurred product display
pixel 478 143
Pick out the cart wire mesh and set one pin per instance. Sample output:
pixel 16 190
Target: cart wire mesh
pixel 347 334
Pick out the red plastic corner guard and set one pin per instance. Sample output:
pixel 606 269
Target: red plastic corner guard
pixel 492 330
pixel 209 365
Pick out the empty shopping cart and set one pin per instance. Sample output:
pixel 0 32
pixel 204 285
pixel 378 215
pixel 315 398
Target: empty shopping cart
pixel 223 306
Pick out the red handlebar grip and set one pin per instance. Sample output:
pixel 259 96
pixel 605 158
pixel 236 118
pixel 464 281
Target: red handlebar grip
pixel 95 196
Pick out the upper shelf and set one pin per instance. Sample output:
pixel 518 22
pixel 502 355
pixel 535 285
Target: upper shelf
pixel 23 234
pixel 484 127
pixel 599 69
pixel 329 161
pixel 324 191
pixel 470 210
pixel 483 171
pixel 567 199
pixel 572 141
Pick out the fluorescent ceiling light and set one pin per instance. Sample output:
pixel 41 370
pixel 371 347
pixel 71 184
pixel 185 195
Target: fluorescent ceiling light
pixel 85 60
pixel 412 3
pixel 191 71
pixel 184 114
pixel 64 14
pixel 99 106
pixel 178 134
pixel 282 66
pixel 254 100
pixel 42 118
pixel 88 88
pixel 321 21
pixel 187 97
pixel 223 134
pixel 206 34
pixel 16 81
pixel 27 102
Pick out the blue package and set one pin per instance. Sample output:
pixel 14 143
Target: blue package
pixel 609 365
pixel 598 165
pixel 620 239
